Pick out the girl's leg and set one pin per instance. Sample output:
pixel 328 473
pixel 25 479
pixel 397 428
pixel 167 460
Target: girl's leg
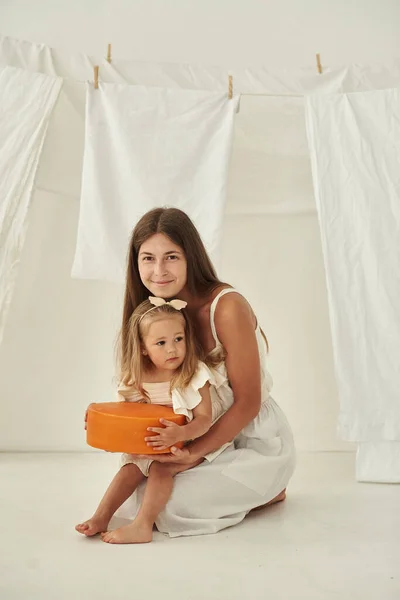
pixel 158 491
pixel 122 486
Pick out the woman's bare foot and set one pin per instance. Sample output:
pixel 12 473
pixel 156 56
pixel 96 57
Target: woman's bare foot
pixel 93 526
pixel 134 533
pixel 279 498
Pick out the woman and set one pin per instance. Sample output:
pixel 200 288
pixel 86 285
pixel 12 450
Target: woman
pixel 167 259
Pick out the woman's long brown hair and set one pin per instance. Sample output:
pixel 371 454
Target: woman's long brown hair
pixel 175 224
pixel 201 276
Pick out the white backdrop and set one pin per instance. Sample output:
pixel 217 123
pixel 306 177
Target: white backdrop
pixel 57 354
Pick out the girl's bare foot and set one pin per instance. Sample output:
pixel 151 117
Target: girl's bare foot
pixel 134 533
pixel 93 526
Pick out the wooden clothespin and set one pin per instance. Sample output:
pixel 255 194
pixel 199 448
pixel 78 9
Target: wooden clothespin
pixel 319 66
pixel 230 87
pixel 96 77
pixel 109 53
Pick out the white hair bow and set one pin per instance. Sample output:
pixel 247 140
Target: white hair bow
pixel 177 304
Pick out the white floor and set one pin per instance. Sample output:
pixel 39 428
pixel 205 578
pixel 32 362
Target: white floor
pixel 331 539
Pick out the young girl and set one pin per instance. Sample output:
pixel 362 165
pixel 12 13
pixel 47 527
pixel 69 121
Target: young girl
pixel 161 366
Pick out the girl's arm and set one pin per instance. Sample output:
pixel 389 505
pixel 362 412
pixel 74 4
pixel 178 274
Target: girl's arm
pixel 172 433
pixel 201 421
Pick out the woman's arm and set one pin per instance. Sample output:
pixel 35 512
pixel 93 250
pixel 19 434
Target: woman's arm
pixel 235 325
pixel 172 433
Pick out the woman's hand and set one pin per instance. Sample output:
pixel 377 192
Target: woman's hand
pixel 177 456
pixel 166 436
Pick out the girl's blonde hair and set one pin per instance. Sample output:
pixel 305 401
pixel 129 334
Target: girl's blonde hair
pixel 133 363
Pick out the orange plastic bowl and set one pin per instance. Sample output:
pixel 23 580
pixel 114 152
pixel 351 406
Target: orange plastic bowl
pixel 122 426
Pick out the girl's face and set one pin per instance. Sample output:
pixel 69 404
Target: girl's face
pixel 162 266
pixel 164 342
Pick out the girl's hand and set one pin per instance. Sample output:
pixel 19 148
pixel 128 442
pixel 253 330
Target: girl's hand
pixel 177 456
pixel 166 436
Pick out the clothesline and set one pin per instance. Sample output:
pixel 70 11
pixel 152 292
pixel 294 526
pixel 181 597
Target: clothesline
pixel 230 79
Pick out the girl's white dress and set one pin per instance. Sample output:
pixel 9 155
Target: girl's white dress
pixel 183 402
pixel 250 472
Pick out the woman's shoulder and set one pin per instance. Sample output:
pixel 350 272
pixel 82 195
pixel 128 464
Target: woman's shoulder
pixel 230 303
pixel 232 318
pixel 226 296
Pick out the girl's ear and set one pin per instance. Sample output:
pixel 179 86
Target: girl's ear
pixel 144 351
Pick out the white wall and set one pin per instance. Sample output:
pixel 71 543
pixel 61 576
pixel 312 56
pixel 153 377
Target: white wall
pixel 57 354
pixel 283 33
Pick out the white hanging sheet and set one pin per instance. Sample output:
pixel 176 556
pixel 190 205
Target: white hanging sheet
pixel 355 151
pixel 27 101
pixel 144 148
